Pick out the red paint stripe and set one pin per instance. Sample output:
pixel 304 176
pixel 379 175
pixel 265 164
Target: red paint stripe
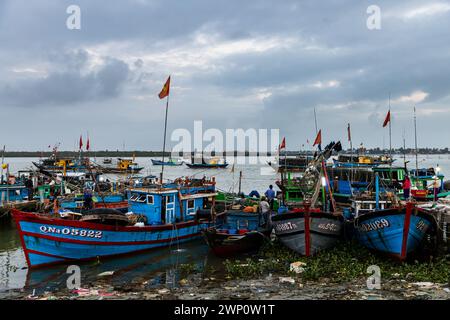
pixel 45 254
pixel 307 233
pixel 406 224
pixel 105 243
pixel 34 217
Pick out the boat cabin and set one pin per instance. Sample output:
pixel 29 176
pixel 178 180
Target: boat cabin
pixel 13 193
pixel 171 203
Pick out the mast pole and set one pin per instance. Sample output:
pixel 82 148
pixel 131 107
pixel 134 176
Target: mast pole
pixel 415 139
pixel 3 159
pixel 164 144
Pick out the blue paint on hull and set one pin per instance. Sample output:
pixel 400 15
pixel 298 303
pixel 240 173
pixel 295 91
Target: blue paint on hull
pixel 384 233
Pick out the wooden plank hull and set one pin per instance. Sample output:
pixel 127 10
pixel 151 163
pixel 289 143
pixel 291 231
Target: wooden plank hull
pixel 323 232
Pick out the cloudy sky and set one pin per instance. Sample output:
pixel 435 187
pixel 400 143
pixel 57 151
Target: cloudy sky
pixel 234 64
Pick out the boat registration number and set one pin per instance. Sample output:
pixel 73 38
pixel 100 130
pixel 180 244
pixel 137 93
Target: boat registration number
pixel 73 232
pixel 285 226
pixel 374 225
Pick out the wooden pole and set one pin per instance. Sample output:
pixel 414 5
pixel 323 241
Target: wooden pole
pixel 164 144
pixel 240 181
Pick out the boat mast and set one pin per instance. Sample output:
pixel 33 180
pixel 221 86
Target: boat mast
pixel 3 159
pixel 404 148
pixel 390 135
pixel 415 139
pixel 164 143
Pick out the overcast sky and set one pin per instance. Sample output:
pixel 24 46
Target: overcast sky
pixel 234 64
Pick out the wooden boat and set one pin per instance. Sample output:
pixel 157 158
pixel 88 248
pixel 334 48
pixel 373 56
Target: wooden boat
pixel 206 165
pixel 241 232
pixel 355 161
pixel 308 231
pixel 122 166
pixel 290 163
pixel 170 162
pixel 422 181
pixel 170 217
pixel 395 231
pixel 303 227
pixel 203 163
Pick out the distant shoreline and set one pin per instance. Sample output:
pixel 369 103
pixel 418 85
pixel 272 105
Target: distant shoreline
pixel 130 154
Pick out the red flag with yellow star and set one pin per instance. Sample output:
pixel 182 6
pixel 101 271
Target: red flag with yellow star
pixel 165 90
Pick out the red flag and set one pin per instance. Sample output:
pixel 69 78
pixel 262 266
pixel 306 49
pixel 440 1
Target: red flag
pixel 165 90
pixel 87 144
pixel 388 119
pixel 318 138
pixel 283 144
pixel 81 142
pixel 348 132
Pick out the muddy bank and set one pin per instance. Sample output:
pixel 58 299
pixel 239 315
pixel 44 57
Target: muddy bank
pixel 278 287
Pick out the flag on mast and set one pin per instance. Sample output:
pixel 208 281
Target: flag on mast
pixel 349 133
pixel 283 144
pixel 318 139
pixel 81 141
pixel 165 90
pixel 387 119
pixel 87 144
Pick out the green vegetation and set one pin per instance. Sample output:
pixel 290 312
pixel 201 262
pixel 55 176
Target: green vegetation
pixel 346 262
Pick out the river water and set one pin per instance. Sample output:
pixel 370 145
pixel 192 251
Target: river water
pixel 160 266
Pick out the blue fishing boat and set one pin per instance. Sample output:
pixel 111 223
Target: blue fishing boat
pixel 171 162
pixel 13 195
pixel 395 231
pixel 159 215
pixel 76 203
pixel 239 232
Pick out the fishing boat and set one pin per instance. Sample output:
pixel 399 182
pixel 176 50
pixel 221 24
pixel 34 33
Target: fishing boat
pixel 306 226
pixel 297 163
pixel 308 231
pixel 122 166
pixel 170 162
pixel 423 181
pixel 204 163
pixel 159 216
pixel 397 232
pixel 240 232
pixel 344 160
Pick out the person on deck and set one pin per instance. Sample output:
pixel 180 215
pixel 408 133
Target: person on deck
pixel 406 188
pixel 264 208
pixel 29 186
pixel 270 195
pixel 87 197
pixel 436 188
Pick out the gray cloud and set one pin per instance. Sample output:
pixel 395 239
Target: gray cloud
pixel 233 64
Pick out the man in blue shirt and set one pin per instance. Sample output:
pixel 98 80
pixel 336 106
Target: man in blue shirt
pixel 270 195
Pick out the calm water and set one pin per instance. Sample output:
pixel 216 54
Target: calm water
pixel 159 266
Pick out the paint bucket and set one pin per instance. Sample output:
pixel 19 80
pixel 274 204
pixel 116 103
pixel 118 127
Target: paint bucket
pixel 282 209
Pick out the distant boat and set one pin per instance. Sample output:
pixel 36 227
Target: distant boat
pixel 362 160
pixel 170 162
pixel 206 165
pixel 122 166
pixel 203 163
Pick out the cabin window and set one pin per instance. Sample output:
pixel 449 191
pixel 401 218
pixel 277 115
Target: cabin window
pixel 170 199
pixel 134 197
pixel 190 208
pixel 141 198
pixel 149 199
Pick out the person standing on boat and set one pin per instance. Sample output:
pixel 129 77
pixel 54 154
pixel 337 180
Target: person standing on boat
pixel 87 197
pixel 29 186
pixel 436 187
pixel 264 209
pixel 406 187
pixel 270 195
